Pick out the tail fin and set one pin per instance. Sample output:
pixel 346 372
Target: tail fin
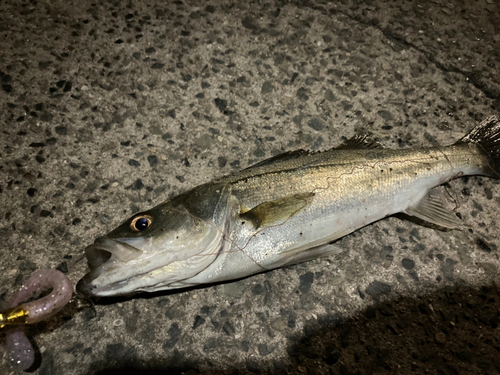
pixel 487 136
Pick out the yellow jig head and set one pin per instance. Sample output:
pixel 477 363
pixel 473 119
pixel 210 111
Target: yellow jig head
pixel 14 316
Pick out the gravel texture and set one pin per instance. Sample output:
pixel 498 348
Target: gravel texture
pixel 108 108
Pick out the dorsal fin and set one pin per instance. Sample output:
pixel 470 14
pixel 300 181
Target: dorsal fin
pixel 280 157
pixel 359 142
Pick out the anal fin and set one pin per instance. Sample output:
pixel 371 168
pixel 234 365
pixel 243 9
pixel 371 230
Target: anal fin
pixel 431 209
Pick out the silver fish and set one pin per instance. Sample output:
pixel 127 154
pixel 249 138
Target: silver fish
pixel 284 210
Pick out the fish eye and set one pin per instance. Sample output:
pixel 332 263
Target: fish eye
pixel 141 222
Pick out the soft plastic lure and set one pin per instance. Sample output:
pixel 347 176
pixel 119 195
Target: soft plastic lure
pixel 18 314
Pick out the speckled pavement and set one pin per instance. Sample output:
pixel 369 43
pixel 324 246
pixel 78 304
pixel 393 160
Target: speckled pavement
pixel 108 108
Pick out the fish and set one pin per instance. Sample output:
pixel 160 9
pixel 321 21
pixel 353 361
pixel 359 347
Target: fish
pixel 284 210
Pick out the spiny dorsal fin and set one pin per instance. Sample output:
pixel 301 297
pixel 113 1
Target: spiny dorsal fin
pixel 431 209
pixel 359 141
pixel 279 158
pixel 277 211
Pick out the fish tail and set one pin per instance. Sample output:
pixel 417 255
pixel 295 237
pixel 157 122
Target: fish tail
pixel 486 136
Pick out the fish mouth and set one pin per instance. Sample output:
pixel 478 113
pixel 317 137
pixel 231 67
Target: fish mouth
pixel 102 250
pixel 103 255
pixel 87 289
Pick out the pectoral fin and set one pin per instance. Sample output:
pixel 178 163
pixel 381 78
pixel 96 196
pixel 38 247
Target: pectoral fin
pixel 277 211
pixel 431 209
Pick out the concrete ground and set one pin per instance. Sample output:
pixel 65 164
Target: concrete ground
pixel 108 108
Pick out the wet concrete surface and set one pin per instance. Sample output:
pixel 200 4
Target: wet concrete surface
pixel 109 108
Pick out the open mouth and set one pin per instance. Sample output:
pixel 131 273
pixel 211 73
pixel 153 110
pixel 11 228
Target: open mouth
pixel 102 250
pixel 100 257
pixel 86 288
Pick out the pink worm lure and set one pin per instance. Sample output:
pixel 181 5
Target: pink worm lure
pixel 19 347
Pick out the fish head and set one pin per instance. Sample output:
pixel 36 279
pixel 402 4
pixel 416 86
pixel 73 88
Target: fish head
pixel 154 250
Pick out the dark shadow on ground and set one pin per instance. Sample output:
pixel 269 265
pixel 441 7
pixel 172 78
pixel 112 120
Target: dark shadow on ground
pixel 451 331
